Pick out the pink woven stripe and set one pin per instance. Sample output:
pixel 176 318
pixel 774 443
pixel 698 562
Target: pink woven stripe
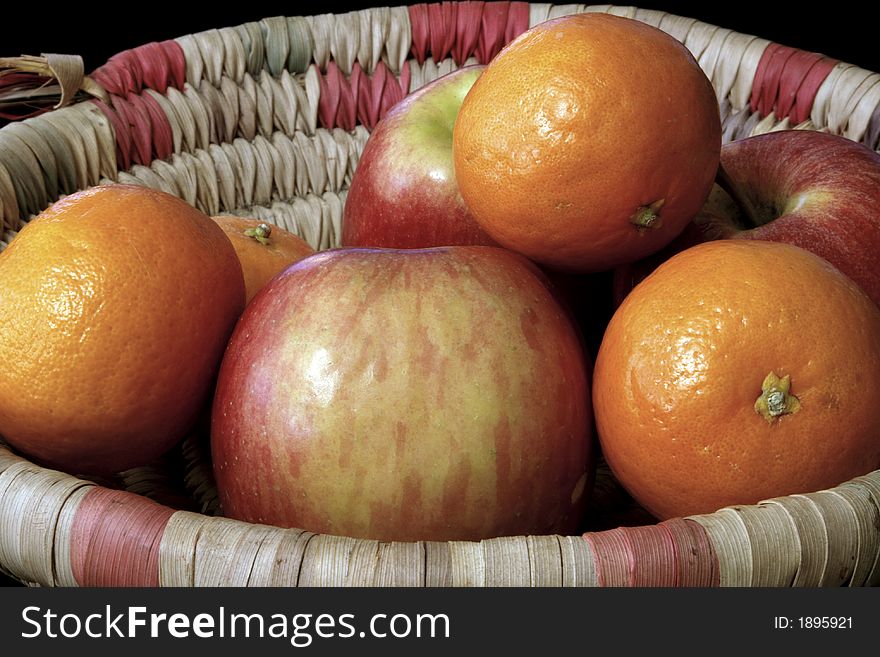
pixel 465 29
pixel 337 106
pixel 673 553
pixel 155 65
pixel 493 34
pixel 787 80
pixel 441 23
pixel 161 134
pixel 361 98
pixel 517 20
pixel 635 556
pixel 139 148
pixel 809 87
pixel 143 132
pixel 697 562
pixel 612 557
pixel 420 30
pixel 122 133
pixel 765 87
pixel 653 556
pixel 115 539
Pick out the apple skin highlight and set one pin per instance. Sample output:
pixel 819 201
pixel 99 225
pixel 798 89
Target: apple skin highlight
pixel 403 193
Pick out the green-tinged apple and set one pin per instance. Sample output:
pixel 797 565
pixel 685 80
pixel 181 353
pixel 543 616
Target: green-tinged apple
pixel 403 193
pixel 406 394
pixel 812 189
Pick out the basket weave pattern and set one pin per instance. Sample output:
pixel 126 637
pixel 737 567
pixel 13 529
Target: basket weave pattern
pixel 267 120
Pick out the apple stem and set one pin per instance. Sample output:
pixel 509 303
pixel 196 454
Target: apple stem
pixel 725 182
pixel 260 233
pixel 775 399
pixel 648 216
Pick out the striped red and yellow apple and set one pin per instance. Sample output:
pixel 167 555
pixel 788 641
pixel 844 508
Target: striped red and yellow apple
pixel 406 394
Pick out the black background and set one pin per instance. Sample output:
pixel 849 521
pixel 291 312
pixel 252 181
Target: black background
pixel 96 30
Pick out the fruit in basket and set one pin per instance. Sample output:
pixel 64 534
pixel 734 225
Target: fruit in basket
pixel 262 249
pixel 116 304
pixel 588 141
pixel 403 193
pixel 405 394
pixel 813 189
pixel 738 371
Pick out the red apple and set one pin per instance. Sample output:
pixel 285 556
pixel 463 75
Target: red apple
pixel 403 193
pixel 812 189
pixel 406 394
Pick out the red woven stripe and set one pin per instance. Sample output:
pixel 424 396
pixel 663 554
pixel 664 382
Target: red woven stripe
pixel 360 98
pixel 142 130
pixel 793 74
pixel 635 556
pixel 161 136
pixel 653 556
pixel 465 29
pixel 393 90
pixel 122 132
pixel 612 557
pixel 163 65
pixel 139 129
pixel 787 80
pixel 441 23
pixel 420 31
pixel 367 104
pixel 809 87
pixel 697 562
pixel 765 88
pixel 673 553
pixel 517 20
pixel 156 65
pixel 337 106
pixel 115 539
pixel 494 30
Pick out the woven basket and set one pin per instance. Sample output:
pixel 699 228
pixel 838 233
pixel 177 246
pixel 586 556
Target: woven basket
pixel 267 120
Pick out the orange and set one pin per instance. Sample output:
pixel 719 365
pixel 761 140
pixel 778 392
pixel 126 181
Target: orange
pixel 737 372
pixel 263 249
pixel 590 140
pixel 116 304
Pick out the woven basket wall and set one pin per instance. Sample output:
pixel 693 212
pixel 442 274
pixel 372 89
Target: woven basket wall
pixel 267 120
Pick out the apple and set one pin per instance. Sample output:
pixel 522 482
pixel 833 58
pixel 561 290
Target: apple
pixel 406 394
pixel 813 189
pixel 403 193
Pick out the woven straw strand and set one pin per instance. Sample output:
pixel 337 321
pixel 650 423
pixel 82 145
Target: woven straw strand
pixel 867 516
pixel 842 529
pixel 83 140
pixel 226 552
pixel 774 542
pixel 812 539
pixel 871 485
pixel 278 44
pixel 730 538
pixel 33 500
